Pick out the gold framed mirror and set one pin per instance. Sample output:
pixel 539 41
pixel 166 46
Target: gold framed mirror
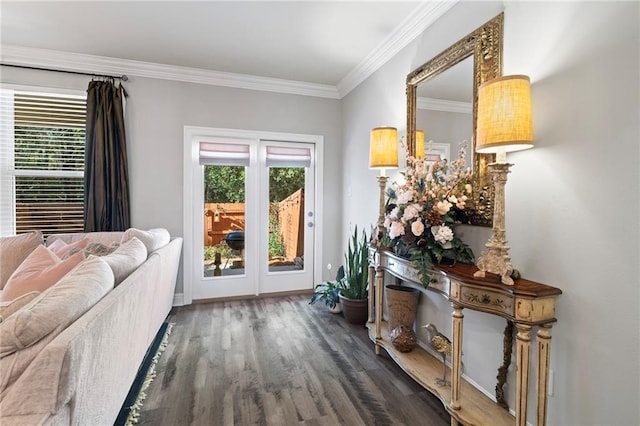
pixel 484 46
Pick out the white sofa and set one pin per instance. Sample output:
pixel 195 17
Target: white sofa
pixel 82 376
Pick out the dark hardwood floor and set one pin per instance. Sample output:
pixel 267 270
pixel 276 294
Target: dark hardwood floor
pixel 279 361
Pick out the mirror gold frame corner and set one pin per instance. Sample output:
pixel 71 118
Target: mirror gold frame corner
pixel 485 44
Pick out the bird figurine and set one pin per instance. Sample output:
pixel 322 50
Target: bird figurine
pixel 441 344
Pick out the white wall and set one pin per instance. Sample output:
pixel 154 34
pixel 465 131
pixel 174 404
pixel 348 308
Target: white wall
pixel 158 110
pixel 572 201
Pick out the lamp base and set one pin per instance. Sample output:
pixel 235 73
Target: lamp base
pixel 496 259
pixel 382 183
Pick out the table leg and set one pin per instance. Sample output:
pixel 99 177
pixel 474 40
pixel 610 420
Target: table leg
pixel 370 292
pixel 379 286
pixel 456 355
pixel 544 350
pixel 523 346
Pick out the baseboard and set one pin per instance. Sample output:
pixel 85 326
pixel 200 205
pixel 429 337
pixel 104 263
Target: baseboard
pixel 308 292
pixel 178 299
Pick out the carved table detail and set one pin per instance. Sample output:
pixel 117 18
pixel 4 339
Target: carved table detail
pixel 526 304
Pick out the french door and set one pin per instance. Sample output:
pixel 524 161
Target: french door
pixel 252 216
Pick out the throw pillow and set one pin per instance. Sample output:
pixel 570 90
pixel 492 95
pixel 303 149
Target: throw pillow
pixel 60 248
pixel 14 250
pixel 39 271
pixel 126 259
pixel 8 308
pixel 53 310
pixel 153 239
pixel 96 249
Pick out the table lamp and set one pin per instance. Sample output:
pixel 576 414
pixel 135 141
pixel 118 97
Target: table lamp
pixel 383 154
pixel 420 148
pixel 504 125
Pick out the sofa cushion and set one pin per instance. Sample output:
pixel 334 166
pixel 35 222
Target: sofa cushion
pixel 13 365
pixel 39 271
pixel 60 248
pixel 57 307
pixel 13 306
pixel 126 258
pixel 153 239
pixel 14 250
pixel 103 237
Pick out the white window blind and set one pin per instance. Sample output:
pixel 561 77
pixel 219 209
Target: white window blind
pixel 224 154
pixel 281 156
pixel 43 138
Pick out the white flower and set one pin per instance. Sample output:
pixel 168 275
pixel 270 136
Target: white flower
pixel 411 211
pixel 393 213
pixel 396 230
pixel 453 199
pixel 443 207
pixel 468 188
pixel 442 234
pixel 404 197
pixel 387 222
pixel 417 228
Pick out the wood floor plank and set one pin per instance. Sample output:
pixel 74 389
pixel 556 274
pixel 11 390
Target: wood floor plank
pixel 279 361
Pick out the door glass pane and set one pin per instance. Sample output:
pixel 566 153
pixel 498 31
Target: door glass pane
pixel 224 220
pixel 286 218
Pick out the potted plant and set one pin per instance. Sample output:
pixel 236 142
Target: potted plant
pixel 329 291
pixel 353 286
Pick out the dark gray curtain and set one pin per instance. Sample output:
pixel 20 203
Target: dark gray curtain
pixel 106 190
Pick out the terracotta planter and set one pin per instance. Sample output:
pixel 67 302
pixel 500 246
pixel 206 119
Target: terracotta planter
pixel 355 311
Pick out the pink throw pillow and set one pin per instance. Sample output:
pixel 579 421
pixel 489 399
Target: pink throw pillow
pixel 39 271
pixel 60 248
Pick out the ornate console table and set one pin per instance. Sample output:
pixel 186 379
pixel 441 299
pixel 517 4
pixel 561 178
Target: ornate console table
pixel 527 304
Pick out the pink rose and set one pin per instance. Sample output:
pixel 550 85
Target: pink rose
pixel 417 228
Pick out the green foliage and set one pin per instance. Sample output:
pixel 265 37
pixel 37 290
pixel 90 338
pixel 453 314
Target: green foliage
pixel 356 274
pixel 423 258
pixel 222 248
pixel 225 184
pixel 51 149
pixel 284 181
pixel 329 291
pixel 276 240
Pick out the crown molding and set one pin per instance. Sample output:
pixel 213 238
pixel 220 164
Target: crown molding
pixel 66 61
pixel 444 105
pixel 411 27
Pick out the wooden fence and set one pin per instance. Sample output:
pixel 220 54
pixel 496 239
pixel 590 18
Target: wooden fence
pixel 222 218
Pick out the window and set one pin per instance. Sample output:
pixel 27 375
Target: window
pixel 42 154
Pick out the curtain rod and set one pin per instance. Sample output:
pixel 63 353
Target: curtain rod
pixel 123 77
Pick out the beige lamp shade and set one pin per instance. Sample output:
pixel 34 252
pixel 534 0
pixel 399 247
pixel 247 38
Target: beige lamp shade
pixel 420 145
pixel 504 115
pixel 383 148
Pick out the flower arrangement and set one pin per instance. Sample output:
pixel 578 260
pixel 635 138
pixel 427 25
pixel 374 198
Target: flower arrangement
pixel 421 213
